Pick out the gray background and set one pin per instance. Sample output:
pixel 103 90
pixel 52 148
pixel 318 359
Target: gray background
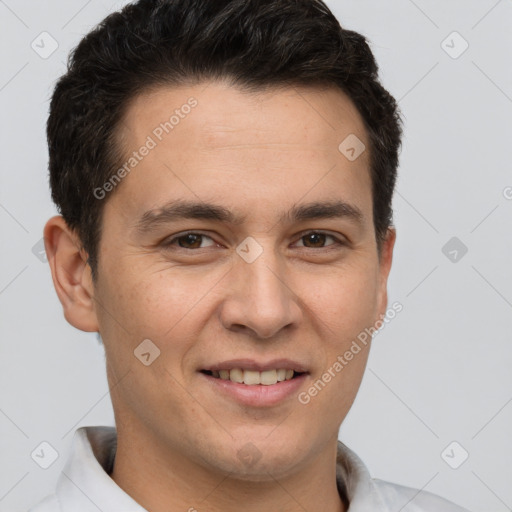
pixel 438 373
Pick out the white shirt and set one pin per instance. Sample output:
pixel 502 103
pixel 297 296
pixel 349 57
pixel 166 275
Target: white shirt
pixel 85 485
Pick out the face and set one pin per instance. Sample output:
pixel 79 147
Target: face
pixel 282 265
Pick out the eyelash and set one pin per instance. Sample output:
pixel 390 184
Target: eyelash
pixel 170 242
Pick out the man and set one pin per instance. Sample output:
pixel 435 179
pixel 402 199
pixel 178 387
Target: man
pixel 224 171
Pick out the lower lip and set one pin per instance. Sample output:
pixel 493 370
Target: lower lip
pixel 257 395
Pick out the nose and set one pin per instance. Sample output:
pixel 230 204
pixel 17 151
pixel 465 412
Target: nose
pixel 260 299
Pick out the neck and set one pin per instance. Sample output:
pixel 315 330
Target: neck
pixel 162 479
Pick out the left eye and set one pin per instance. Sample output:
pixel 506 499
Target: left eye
pixel 318 239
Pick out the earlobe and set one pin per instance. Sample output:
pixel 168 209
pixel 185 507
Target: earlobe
pixel 385 261
pixel 71 274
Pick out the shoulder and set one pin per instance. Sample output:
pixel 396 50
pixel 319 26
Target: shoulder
pixel 48 504
pixel 408 499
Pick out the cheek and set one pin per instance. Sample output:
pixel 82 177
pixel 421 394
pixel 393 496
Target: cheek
pixel 341 309
pixel 166 306
pixel 148 307
pixel 150 302
pixel 345 301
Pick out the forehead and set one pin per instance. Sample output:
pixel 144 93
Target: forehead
pixel 212 141
pixel 221 113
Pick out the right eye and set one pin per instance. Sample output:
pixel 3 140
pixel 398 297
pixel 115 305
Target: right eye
pixel 191 240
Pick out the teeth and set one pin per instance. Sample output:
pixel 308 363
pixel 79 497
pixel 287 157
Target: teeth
pixel 236 375
pixel 268 377
pixel 252 377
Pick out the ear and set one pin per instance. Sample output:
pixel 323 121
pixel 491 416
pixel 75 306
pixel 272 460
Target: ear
pixel 385 260
pixel 71 274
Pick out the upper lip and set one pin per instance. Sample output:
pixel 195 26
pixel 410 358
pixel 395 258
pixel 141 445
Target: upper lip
pixel 260 366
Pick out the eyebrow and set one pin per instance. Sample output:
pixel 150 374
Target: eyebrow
pixel 182 209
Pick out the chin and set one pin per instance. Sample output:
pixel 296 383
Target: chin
pixel 259 461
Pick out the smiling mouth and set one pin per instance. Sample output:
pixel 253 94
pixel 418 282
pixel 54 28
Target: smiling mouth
pixel 254 378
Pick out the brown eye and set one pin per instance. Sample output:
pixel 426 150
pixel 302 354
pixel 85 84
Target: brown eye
pixel 187 241
pixel 190 241
pixel 317 240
